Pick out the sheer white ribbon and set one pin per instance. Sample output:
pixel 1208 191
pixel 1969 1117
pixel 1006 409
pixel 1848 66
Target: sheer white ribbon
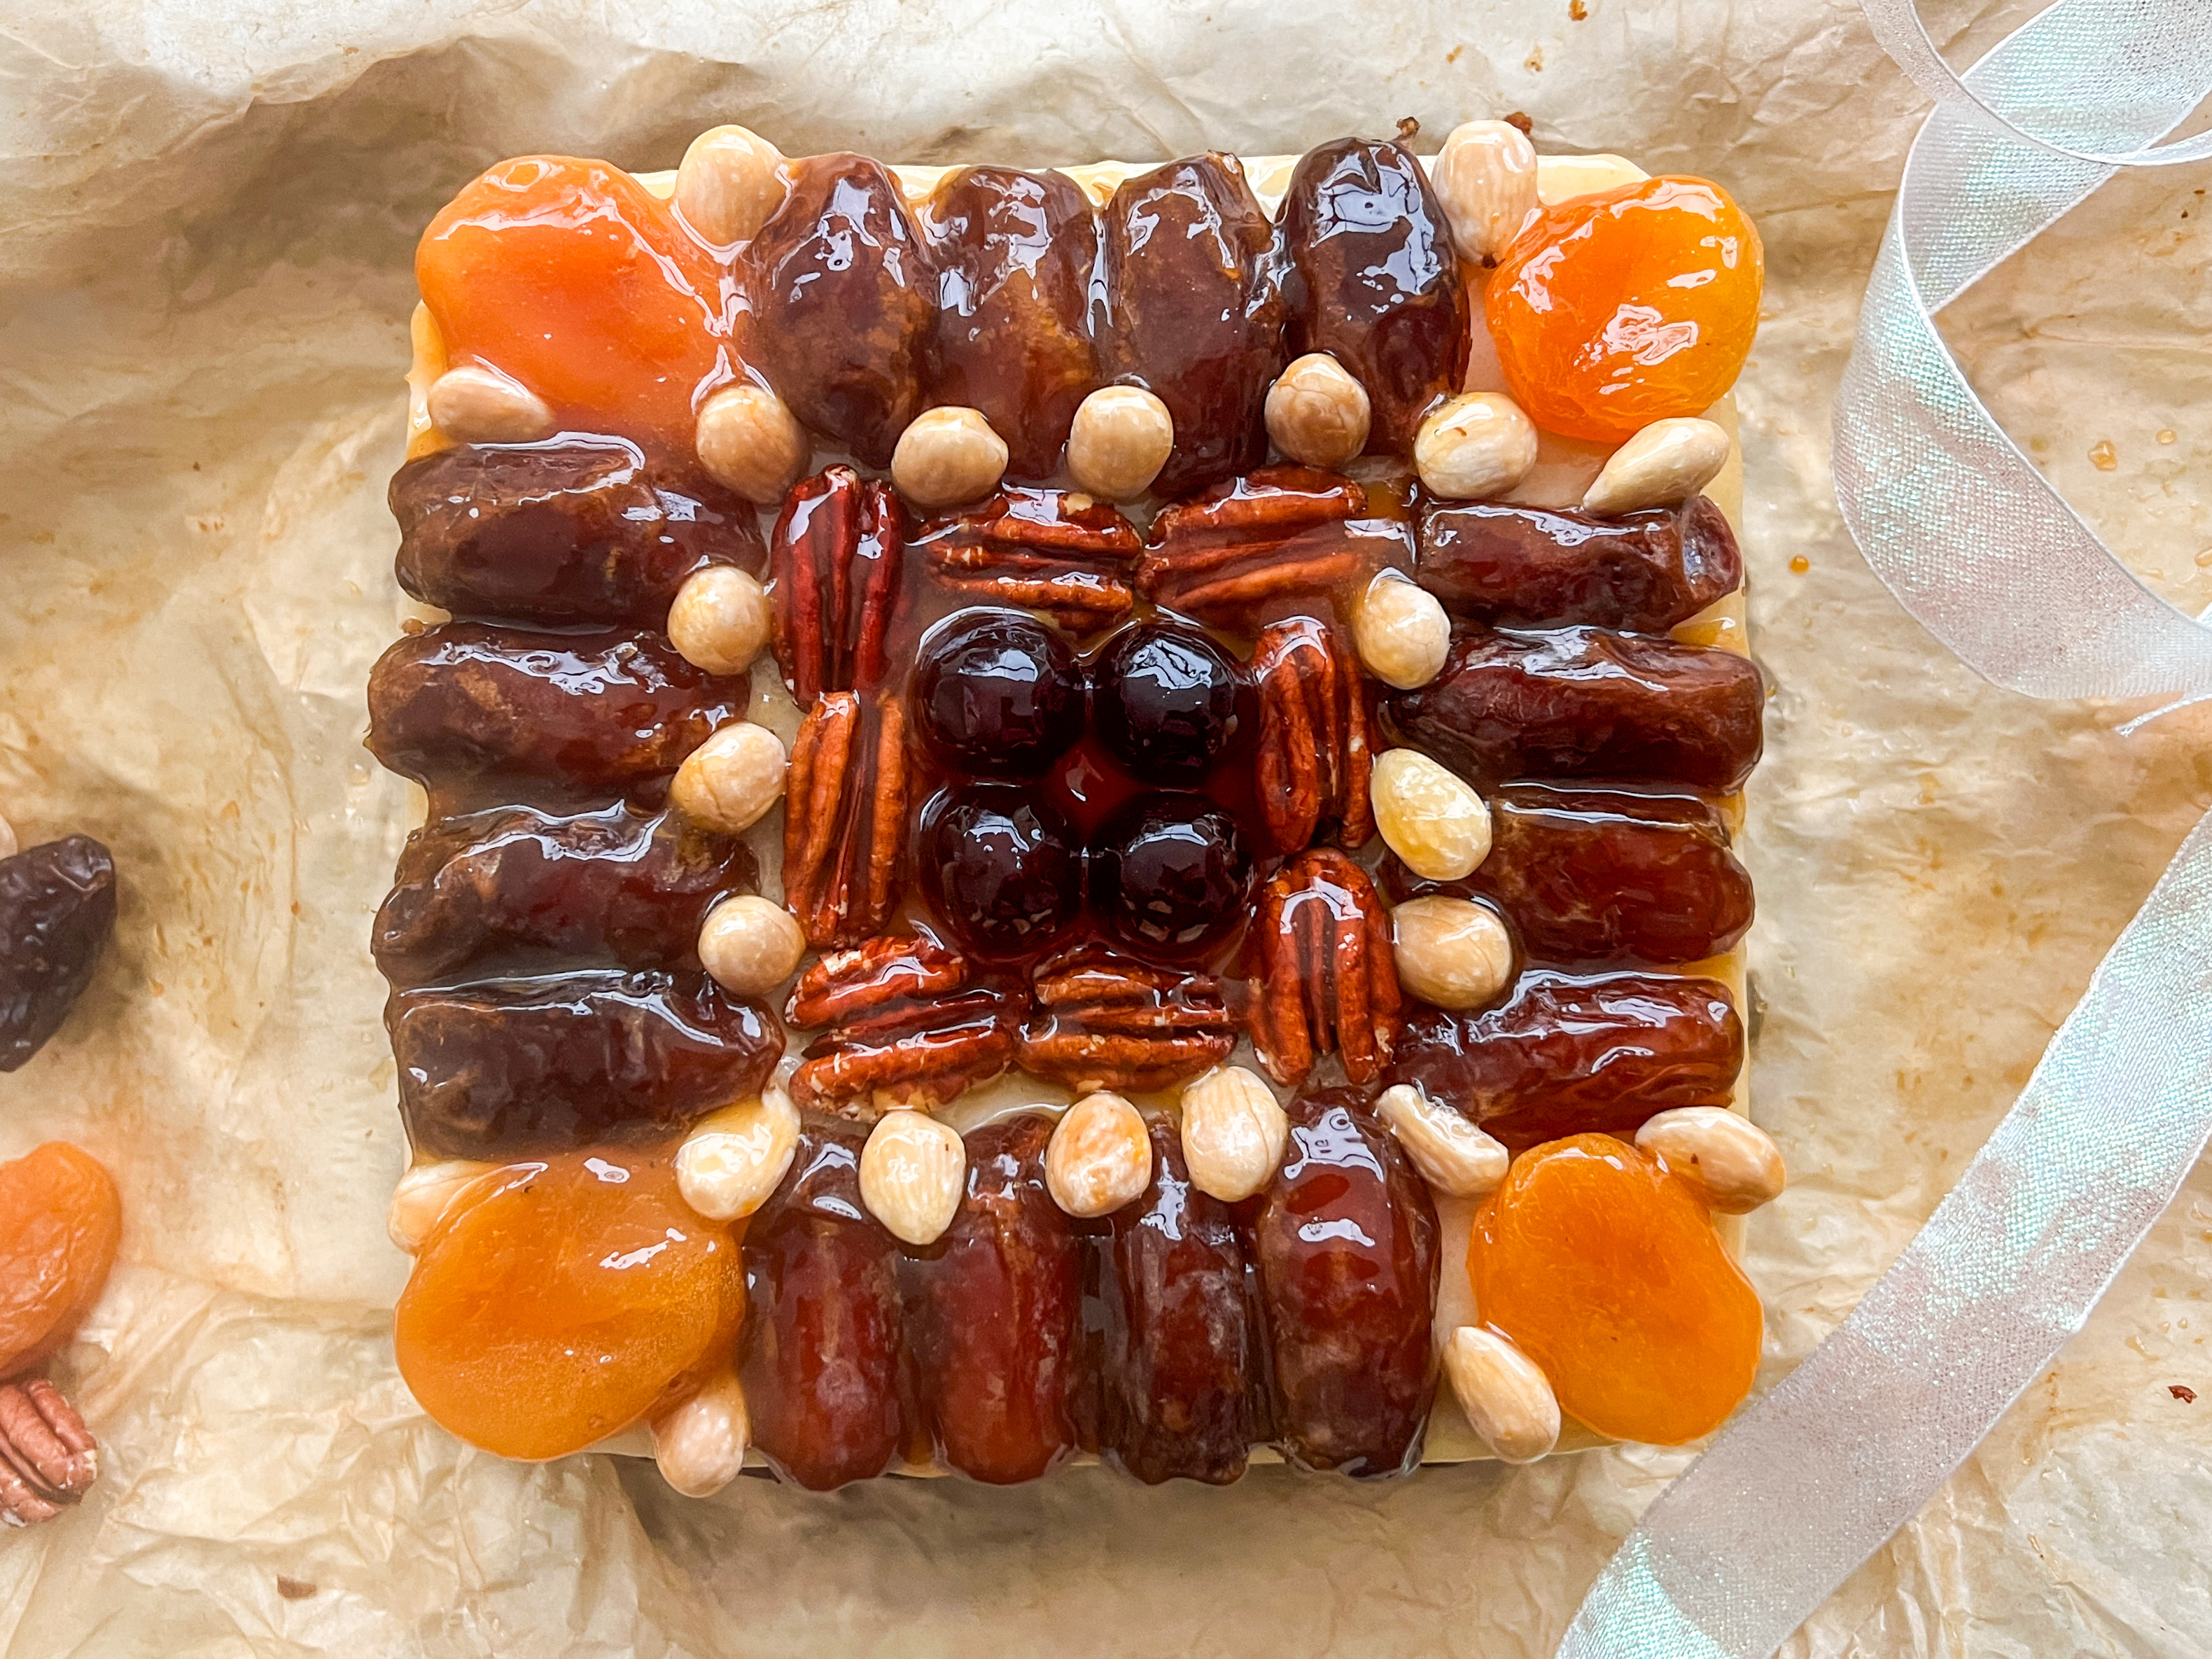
pixel 1812 1479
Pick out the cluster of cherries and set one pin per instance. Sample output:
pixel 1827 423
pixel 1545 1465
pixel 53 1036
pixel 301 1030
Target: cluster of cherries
pixel 999 699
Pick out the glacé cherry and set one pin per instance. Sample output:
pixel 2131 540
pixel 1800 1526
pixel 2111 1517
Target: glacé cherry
pixel 1170 874
pixel 1002 869
pixel 997 694
pixel 1164 701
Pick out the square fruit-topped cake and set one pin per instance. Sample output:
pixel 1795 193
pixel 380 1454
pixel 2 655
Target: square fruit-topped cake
pixel 1216 908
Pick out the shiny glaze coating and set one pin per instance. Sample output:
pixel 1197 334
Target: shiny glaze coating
pixel 995 1315
pixel 56 913
pixel 464 706
pixel 1170 874
pixel 1565 1055
pixel 1194 311
pixel 1014 252
pixel 1181 1349
pixel 1001 868
pixel 1531 567
pixel 1373 281
pixel 996 693
pixel 1164 701
pixel 823 1357
pixel 503 1068
pixel 1346 1242
pixel 835 556
pixel 1583 703
pixel 843 300
pixel 571 531
pixel 1590 875
pixel 496 888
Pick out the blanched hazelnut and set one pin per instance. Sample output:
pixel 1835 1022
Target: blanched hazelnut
pixel 729 781
pixel 732 1159
pixel 1454 1156
pixel 912 1171
pixel 1431 818
pixel 1733 1162
pixel 719 620
pixel 1450 952
pixel 1100 1157
pixel 9 845
pixel 728 183
pixel 1121 438
pixel 1665 463
pixel 947 456
pixel 1317 413
pixel 700 1445
pixel 1507 1398
pixel 1401 631
pixel 1486 177
pixel 423 1196
pixel 1475 446
pixel 1233 1132
pixel 748 440
pixel 750 944
pixel 473 405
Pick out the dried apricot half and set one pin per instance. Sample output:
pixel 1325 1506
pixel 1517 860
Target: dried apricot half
pixel 558 1301
pixel 60 1220
pixel 1604 1269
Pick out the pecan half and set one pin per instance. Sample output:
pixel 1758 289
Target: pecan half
pixel 48 1458
pixel 1275 533
pixel 1102 1021
pixel 1325 981
pixel 844 826
pixel 834 559
pixel 903 1032
pixel 1052 551
pixel 1313 762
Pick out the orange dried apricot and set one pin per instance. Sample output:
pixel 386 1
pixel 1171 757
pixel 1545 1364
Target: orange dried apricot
pixel 559 1301
pixel 1617 309
pixel 1605 1270
pixel 573 279
pixel 60 1219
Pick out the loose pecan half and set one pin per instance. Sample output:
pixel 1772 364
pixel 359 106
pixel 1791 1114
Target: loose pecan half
pixel 1052 551
pixel 1102 1021
pixel 903 1032
pixel 836 558
pixel 1275 533
pixel 48 1458
pixel 1313 762
pixel 1326 982
pixel 844 826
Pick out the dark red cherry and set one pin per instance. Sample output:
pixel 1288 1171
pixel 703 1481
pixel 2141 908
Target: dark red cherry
pixel 997 694
pixel 1001 869
pixel 1164 701
pixel 1169 874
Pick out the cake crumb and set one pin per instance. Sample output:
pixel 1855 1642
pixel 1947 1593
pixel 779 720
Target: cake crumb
pixel 294 1589
pixel 2182 1392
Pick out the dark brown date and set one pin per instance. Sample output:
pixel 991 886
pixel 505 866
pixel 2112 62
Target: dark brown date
pixel 1571 1056
pixel 56 911
pixel 511 1066
pixel 1181 1349
pixel 1526 566
pixel 1194 312
pixel 823 1356
pixel 994 1315
pixel 590 715
pixel 493 889
pixel 1373 281
pixel 844 302
pixel 1583 703
pixel 1590 875
pixel 579 530
pixel 1014 252
pixel 1347 1246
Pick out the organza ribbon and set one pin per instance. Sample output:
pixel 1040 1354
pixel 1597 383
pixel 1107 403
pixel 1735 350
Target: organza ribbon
pixel 1809 1481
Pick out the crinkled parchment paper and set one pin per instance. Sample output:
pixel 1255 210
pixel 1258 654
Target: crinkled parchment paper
pixel 206 219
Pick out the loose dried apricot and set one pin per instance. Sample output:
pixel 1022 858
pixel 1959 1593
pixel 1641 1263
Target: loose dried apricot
pixel 573 279
pixel 1605 1271
pixel 1615 310
pixel 60 1222
pixel 558 1301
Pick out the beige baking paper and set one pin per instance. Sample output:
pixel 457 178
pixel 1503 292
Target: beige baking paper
pixel 206 215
